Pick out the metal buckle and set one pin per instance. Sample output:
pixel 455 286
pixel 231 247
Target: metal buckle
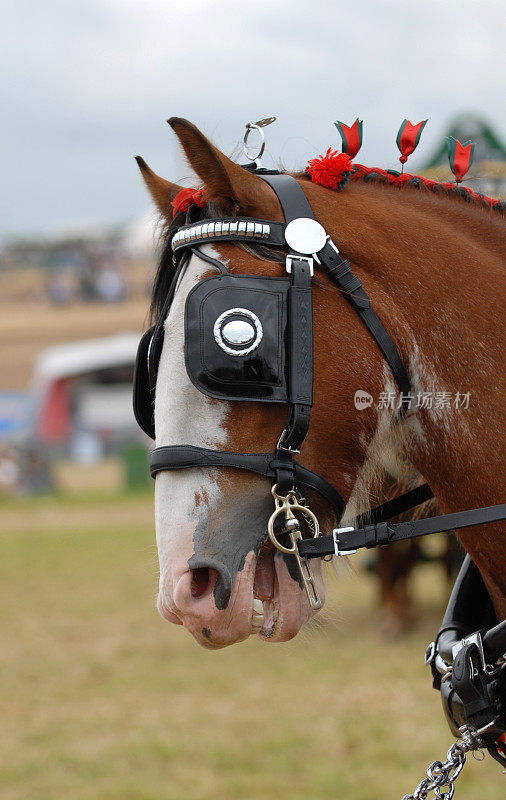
pixel 279 445
pixel 335 536
pixel 430 653
pixel 473 638
pixel 332 245
pixel 308 259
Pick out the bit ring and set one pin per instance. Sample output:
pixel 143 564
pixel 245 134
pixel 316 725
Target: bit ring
pixel 287 505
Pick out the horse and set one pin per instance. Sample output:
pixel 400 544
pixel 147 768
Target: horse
pixel 431 263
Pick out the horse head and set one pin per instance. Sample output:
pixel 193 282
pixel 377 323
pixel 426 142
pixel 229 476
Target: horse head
pixel 220 576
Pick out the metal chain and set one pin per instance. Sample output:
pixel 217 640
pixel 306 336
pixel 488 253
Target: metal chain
pixel 500 664
pixel 441 776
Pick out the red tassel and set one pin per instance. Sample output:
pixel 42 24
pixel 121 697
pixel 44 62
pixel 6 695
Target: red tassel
pixel 331 170
pixel 187 197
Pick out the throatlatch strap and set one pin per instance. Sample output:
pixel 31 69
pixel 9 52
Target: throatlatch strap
pixel 339 272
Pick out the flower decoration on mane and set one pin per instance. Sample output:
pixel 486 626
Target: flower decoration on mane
pixel 331 170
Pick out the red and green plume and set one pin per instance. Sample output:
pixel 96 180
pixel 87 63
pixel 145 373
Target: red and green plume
pixel 460 157
pixel 408 138
pixel 331 170
pixel 351 136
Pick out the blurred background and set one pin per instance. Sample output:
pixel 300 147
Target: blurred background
pixel 100 697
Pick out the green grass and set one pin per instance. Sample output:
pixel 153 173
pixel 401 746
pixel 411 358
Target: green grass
pixel 102 699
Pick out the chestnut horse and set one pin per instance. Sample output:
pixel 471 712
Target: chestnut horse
pixel 431 265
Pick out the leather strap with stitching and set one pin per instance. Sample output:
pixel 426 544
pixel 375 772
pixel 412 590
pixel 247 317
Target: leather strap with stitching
pixel 386 533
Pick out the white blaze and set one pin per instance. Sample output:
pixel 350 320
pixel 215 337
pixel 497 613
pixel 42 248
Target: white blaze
pixel 183 415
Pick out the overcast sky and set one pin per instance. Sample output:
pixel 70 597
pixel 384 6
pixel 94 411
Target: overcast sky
pixel 87 84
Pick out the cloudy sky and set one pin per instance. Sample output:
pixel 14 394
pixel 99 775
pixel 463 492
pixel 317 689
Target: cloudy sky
pixel 87 84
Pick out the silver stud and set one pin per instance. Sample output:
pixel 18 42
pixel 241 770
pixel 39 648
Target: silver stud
pixel 217 229
pixel 247 330
pixel 233 228
pixel 225 228
pixel 242 229
pixel 266 231
pixel 250 229
pixel 258 230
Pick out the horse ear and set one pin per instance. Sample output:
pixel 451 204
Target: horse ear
pixel 226 182
pixel 161 191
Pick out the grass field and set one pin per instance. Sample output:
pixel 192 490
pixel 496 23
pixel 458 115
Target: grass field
pixel 102 699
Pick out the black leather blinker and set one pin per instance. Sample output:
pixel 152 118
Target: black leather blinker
pixel 235 337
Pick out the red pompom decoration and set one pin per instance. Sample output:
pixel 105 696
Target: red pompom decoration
pixel 186 197
pixel 331 170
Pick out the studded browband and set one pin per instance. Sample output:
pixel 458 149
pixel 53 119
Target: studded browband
pixel 230 230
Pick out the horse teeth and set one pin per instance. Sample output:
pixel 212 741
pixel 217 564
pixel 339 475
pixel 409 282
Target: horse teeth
pixel 256 625
pixel 258 606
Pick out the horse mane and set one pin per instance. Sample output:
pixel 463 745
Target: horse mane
pixel 392 177
pixel 166 266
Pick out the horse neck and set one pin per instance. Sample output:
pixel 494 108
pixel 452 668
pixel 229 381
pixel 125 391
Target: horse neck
pixel 432 267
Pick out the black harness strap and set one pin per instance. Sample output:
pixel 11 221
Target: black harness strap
pixel 339 272
pixel 300 356
pixel 344 541
pixel 398 505
pixel 294 203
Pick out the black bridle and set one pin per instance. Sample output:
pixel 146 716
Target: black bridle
pixel 481 702
pixel 279 465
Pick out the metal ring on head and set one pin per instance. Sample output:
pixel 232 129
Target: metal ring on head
pixel 252 126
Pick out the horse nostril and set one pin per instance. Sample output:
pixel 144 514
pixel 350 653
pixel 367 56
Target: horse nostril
pixel 200 582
